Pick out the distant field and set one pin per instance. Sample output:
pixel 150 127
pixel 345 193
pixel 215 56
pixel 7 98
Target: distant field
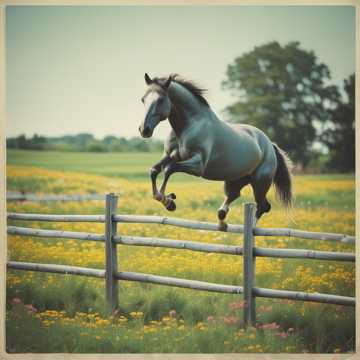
pixel 130 165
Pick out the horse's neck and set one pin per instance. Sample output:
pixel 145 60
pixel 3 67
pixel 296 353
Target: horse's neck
pixel 185 107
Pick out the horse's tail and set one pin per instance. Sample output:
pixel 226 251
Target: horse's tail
pixel 282 179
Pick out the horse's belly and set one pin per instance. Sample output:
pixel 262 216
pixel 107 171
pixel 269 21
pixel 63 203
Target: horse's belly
pixel 231 163
pixel 231 170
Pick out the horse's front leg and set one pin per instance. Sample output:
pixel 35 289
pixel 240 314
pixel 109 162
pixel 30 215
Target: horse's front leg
pixel 192 166
pixel 154 172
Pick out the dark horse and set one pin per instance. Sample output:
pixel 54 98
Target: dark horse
pixel 202 145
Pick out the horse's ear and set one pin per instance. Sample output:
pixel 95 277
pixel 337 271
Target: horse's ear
pixel 168 82
pixel 148 79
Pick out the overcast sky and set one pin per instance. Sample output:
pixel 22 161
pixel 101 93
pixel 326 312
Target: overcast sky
pixel 81 69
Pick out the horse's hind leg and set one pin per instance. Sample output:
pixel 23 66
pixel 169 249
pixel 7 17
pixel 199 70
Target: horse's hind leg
pixel 261 182
pixel 232 192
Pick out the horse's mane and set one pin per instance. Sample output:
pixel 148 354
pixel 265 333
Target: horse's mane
pixel 196 90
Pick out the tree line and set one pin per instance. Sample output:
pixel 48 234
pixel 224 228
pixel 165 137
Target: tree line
pixel 83 142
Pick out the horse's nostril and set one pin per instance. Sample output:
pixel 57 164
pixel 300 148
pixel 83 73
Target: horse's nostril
pixel 146 131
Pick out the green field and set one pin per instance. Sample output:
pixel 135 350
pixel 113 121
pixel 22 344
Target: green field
pixel 129 165
pixel 70 311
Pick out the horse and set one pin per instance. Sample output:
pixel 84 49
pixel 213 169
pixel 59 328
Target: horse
pixel 202 145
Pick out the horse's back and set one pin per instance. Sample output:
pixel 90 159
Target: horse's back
pixel 253 132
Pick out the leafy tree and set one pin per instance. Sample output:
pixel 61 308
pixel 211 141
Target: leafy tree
pixel 107 140
pixel 95 146
pixel 138 144
pixel 19 142
pixel 37 142
pixel 340 135
pixel 281 90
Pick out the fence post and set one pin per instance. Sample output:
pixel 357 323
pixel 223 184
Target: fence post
pixel 249 265
pixel 111 253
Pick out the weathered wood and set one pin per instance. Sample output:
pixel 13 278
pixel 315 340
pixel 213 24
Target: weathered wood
pixel 304 254
pixel 249 265
pixel 58 269
pixel 16 230
pixel 303 296
pixel 304 234
pixel 16 196
pixel 111 268
pixel 179 244
pixel 250 252
pixel 196 285
pixel 190 224
pixel 56 218
pixel 183 283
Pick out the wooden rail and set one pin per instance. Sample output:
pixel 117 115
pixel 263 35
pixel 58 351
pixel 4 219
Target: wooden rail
pixel 57 269
pixel 303 296
pixel 56 218
pixel 184 245
pixel 17 196
pixel 183 283
pixel 178 244
pixel 248 250
pixel 304 234
pixel 15 230
pixel 189 224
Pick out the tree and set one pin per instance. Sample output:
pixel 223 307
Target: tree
pixel 282 91
pixel 340 136
pixel 37 142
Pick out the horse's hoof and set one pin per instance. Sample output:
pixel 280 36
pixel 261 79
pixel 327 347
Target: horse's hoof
pixel 172 196
pixel 221 214
pixel 171 206
pixel 223 226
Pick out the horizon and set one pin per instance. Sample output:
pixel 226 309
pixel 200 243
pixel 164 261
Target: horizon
pixel 82 68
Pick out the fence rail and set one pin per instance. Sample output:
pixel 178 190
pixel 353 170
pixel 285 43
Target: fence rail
pixel 18 196
pixel 248 250
pixel 184 245
pixel 57 269
pixel 184 223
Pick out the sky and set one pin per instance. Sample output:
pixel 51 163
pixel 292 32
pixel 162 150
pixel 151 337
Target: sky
pixel 72 69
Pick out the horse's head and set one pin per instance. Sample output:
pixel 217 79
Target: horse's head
pixel 157 104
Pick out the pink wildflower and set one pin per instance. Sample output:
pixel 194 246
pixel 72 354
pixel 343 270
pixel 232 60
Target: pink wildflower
pixel 230 320
pixel 31 308
pixel 172 313
pixel 264 308
pixel 237 305
pixel 16 300
pixel 270 326
pixel 283 335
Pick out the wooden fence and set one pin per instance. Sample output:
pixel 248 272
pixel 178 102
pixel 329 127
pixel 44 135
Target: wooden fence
pixel 248 250
pixel 19 196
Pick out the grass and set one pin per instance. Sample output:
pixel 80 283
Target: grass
pixel 130 165
pixel 70 313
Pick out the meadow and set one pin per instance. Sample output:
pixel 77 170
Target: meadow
pixel 62 313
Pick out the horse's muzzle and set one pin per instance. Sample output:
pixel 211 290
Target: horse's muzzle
pixel 145 132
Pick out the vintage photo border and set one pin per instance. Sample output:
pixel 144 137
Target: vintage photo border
pixel 3 241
